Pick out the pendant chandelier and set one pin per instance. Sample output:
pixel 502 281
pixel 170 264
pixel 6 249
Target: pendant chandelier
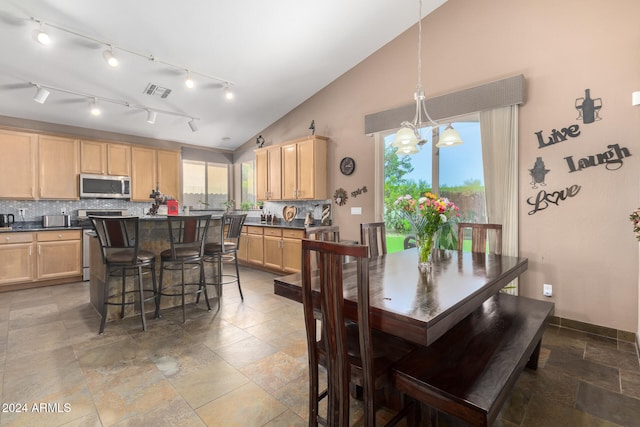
pixel 408 137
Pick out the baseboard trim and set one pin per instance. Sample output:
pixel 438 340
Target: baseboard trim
pixel 626 336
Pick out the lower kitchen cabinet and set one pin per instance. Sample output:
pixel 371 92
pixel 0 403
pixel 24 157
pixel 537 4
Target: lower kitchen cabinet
pixel 16 253
pixel 45 257
pixel 273 248
pixel 59 254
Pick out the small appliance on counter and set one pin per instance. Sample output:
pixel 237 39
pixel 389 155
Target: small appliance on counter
pixel 56 221
pixel 6 220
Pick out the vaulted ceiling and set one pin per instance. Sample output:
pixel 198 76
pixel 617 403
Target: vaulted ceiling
pixel 273 54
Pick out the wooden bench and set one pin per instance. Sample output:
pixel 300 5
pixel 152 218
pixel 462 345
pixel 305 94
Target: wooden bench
pixel 470 371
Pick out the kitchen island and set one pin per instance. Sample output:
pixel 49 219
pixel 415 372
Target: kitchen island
pixel 154 237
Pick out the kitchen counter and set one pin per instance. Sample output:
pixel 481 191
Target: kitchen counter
pixel 37 226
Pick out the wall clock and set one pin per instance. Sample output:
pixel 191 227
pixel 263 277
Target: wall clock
pixel 347 166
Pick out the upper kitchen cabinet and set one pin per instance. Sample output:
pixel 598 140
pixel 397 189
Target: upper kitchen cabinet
pixel 105 158
pixel 151 168
pixel 169 173
pixel 18 165
pixel 304 169
pixel 58 168
pixel 269 173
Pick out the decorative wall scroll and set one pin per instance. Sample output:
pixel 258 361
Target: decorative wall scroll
pixel 359 191
pixel 612 159
pixel 340 196
pixel 326 214
pixel 542 200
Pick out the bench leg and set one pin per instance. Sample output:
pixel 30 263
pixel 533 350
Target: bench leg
pixel 533 360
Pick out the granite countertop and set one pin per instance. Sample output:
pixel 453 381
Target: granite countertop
pixel 32 226
pixel 37 226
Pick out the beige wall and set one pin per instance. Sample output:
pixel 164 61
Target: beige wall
pixel 584 246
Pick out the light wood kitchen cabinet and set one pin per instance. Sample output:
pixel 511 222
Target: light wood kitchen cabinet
pixel 255 250
pixel 17 255
pixel 105 158
pixel 268 173
pixel 304 169
pixel 18 165
pixel 59 254
pixel 169 173
pixel 293 170
pixel 58 165
pixel 283 249
pixel 272 248
pixel 151 168
pixel 45 256
pixel 143 173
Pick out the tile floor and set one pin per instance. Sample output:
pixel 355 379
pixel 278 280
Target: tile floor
pixel 245 365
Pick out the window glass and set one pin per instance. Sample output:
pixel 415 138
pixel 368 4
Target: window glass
pixel 458 176
pixel 204 185
pixel 248 191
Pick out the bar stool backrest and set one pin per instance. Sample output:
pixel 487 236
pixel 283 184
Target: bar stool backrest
pixel 188 232
pixel 232 230
pixel 325 233
pixel 117 235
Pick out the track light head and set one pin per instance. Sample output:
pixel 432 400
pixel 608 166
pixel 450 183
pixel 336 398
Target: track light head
pixel 188 82
pixel 193 125
pixel 151 116
pixel 95 109
pixel 41 94
pixel 110 57
pixel 228 94
pixel 41 36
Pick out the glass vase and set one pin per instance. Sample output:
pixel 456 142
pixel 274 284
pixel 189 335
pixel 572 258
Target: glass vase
pixel 424 245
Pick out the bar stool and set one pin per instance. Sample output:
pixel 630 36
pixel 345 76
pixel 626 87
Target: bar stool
pixel 226 250
pixel 119 244
pixel 187 235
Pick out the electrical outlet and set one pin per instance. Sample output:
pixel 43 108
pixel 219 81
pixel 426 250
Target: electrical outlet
pixel 22 212
pixel 547 290
pixel 63 211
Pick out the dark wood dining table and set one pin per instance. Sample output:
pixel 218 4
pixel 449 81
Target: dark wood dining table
pixel 421 307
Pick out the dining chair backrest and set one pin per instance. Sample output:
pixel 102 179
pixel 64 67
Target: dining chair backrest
pixel 409 242
pixel 331 350
pixel 325 233
pixel 479 237
pixel 188 232
pixel 373 234
pixel 117 235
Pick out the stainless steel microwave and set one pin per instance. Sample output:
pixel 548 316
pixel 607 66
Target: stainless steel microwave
pixel 104 187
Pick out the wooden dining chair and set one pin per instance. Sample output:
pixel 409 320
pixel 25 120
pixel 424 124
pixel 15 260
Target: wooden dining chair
pixel 325 233
pixel 351 353
pixel 479 234
pixel 373 234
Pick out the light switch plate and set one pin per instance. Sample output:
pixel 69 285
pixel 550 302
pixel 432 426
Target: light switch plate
pixel 356 211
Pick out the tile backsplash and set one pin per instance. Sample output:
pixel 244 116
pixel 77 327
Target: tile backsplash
pixel 35 209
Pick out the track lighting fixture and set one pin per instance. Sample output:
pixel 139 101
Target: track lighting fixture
pixel 227 92
pixel 42 36
pixel 188 82
pixel 110 57
pixel 44 90
pixel 41 94
pixel 151 116
pixel 95 109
